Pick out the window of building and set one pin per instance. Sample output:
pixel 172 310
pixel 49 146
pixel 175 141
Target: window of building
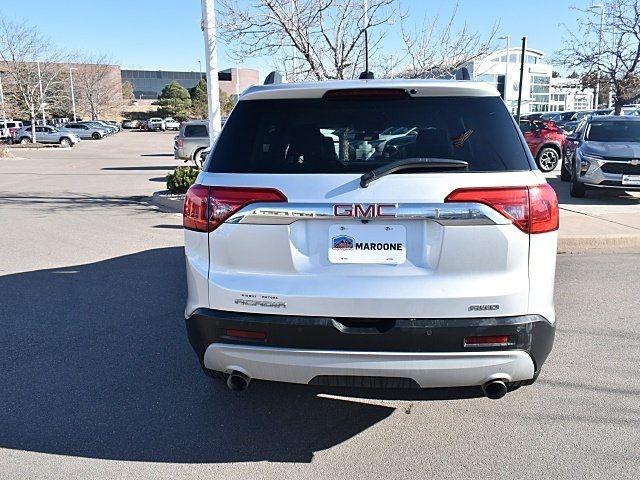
pixel 540 79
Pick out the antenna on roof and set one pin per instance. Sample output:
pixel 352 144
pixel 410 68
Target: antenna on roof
pixel 462 73
pixel 366 75
pixel 273 78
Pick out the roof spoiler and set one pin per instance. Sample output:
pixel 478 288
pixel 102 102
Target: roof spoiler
pixel 462 73
pixel 273 78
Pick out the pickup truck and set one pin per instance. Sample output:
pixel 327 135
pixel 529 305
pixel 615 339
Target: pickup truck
pixel 155 124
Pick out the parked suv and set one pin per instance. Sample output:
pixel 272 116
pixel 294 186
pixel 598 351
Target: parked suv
pixel 604 152
pixel 546 141
pixel 9 130
pixel 85 131
pixel 428 264
pixel 171 124
pixel 46 134
pixel 191 141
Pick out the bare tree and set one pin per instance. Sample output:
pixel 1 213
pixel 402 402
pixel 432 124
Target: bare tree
pixel 98 86
pixel 312 39
pixel 436 48
pixel 619 58
pixel 22 48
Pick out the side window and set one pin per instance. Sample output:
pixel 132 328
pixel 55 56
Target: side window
pixel 39 129
pixel 580 128
pixel 526 127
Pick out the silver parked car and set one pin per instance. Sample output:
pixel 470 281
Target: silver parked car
pixel 47 134
pixel 603 152
pixel 108 129
pixel 85 131
pixel 192 139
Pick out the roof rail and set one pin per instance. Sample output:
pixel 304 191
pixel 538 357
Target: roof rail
pixel 273 78
pixel 462 73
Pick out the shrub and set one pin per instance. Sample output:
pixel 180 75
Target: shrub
pixel 181 179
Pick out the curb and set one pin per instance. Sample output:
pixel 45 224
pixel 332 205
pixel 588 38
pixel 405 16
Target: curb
pixel 587 243
pixel 170 202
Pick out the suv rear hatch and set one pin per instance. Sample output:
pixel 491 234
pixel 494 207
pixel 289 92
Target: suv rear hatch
pixel 292 231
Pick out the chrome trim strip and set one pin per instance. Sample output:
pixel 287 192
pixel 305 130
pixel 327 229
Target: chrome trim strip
pixel 442 213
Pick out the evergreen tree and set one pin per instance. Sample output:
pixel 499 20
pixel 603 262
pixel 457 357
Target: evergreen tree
pixel 198 94
pixel 175 101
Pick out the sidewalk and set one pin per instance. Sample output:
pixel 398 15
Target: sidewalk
pixel 605 220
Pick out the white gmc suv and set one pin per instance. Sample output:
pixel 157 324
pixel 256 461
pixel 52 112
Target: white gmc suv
pixel 322 251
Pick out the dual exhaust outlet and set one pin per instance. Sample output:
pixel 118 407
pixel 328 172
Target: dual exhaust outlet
pixel 494 389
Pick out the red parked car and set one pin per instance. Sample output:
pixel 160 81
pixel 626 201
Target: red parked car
pixel 546 141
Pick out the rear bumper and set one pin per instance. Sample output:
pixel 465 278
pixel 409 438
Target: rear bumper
pixel 422 369
pixel 427 352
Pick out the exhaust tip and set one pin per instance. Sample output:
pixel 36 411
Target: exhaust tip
pixel 238 381
pixel 495 389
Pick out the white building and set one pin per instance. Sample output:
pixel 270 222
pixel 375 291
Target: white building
pixel 568 94
pixel 493 68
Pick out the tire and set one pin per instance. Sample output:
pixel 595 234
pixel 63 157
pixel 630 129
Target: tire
pixel 96 136
pixel 577 189
pixel 565 175
pixel 547 159
pixel 196 157
pixel 65 142
pixel 25 140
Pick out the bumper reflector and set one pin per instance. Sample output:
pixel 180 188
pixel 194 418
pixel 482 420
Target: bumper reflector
pixel 488 341
pixel 246 334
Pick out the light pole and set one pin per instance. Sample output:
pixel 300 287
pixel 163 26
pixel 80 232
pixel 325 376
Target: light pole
pixel 4 112
pixel 601 7
pixel 211 62
pixel 200 69
pixel 237 82
pixel 73 98
pixel 506 73
pixel 44 120
pixel 524 50
pixel 293 47
pixel 366 37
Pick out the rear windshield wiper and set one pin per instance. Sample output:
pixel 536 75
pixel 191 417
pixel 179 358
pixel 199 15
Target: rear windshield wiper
pixel 410 164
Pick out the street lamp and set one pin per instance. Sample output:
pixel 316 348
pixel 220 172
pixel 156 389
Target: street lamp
pixel 200 69
pixel 73 98
pixel 601 7
pixel 4 112
pixel 506 72
pixel 44 120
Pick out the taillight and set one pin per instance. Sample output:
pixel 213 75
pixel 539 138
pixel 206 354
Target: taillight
pixel 531 209
pixel 180 143
pixel 205 208
pixel 545 214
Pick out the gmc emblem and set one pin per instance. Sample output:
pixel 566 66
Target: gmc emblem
pixel 358 210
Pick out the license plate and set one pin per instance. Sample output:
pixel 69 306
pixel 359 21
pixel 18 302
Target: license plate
pixel 631 180
pixel 385 244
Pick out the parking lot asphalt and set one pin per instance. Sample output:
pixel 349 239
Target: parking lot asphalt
pixel 98 379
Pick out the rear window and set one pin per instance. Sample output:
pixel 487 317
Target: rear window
pixel 196 131
pixel 355 136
